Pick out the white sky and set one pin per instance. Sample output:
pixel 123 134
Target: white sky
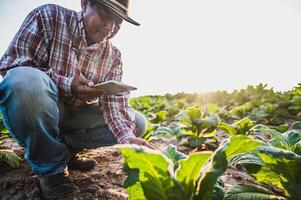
pixel 196 45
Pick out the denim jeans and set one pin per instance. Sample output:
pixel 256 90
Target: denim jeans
pixel 50 130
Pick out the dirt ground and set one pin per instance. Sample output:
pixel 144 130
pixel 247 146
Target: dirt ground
pixel 105 182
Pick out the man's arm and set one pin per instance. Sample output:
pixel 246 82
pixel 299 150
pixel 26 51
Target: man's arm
pixel 118 114
pixel 29 48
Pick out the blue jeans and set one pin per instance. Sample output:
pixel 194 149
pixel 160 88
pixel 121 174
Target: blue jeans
pixel 50 130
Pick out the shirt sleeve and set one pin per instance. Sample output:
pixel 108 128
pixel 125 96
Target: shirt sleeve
pixel 118 114
pixel 29 48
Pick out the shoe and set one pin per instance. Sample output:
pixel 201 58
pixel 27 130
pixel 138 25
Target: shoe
pixel 81 163
pixel 57 186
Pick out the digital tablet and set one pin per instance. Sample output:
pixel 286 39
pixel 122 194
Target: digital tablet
pixel 114 87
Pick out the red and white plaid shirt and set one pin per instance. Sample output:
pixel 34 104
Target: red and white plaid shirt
pixel 52 39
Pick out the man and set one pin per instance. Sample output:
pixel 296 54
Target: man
pixel 46 96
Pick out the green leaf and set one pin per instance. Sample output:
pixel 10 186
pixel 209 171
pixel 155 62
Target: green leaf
pixel 216 168
pixel 250 192
pixel 282 128
pixel 297 148
pixel 164 131
pixel 194 113
pixel 250 161
pixel 196 141
pixel 278 139
pixel 212 108
pixel 243 126
pixel 241 144
pixel 133 185
pixel 292 137
pixel 10 158
pixel 155 174
pixel 218 192
pixel 296 125
pixel 189 171
pixel 171 152
pixel 218 165
pixel 227 128
pixel 281 168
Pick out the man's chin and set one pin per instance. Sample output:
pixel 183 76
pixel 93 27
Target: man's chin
pixel 100 40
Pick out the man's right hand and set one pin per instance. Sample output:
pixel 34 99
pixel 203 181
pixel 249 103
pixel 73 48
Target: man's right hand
pixel 138 141
pixel 82 87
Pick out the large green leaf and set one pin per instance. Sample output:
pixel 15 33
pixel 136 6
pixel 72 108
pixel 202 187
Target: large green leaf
pixel 194 113
pixel 189 171
pixel 281 168
pixel 171 152
pixel 133 185
pixel 206 125
pixel 227 128
pixel 216 168
pixel 278 139
pixel 190 115
pixel 240 127
pixel 250 192
pixel 235 145
pixel 292 137
pixel 250 161
pixel 243 126
pixel 155 174
pixel 241 144
pixel 218 191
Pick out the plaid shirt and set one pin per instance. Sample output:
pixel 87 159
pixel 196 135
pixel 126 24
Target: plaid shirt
pixel 52 39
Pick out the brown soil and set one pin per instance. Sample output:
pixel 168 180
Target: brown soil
pixel 104 182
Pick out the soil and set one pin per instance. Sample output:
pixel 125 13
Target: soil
pixel 104 182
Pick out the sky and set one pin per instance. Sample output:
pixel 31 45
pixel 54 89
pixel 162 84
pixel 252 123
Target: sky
pixel 196 45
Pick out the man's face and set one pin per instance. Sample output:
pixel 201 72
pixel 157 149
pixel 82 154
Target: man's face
pixel 99 23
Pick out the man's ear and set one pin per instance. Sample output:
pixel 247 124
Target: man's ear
pixel 84 4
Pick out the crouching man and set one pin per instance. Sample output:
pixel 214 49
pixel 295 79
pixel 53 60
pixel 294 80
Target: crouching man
pixel 47 100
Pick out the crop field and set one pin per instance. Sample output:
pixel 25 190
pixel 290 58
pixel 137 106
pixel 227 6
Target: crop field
pixel 200 137
pixel 254 130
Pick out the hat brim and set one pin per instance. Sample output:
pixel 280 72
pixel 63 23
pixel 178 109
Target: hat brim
pixel 118 12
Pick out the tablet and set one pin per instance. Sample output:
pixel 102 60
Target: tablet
pixel 114 87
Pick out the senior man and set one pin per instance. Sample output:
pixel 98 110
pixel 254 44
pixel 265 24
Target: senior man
pixel 46 96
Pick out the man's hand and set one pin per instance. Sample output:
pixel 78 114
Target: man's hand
pixel 138 141
pixel 82 87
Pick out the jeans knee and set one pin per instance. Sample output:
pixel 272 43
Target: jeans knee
pixel 29 85
pixel 141 124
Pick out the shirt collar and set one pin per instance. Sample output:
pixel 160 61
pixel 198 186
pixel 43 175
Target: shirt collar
pixel 80 21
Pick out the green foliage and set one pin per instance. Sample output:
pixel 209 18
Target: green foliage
pixel 281 168
pixel 240 127
pixel 296 125
pixel 10 158
pixel 194 118
pixel 250 161
pixel 155 176
pixel 236 145
pixel 288 140
pixel 151 175
pixel 174 155
pixel 250 192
